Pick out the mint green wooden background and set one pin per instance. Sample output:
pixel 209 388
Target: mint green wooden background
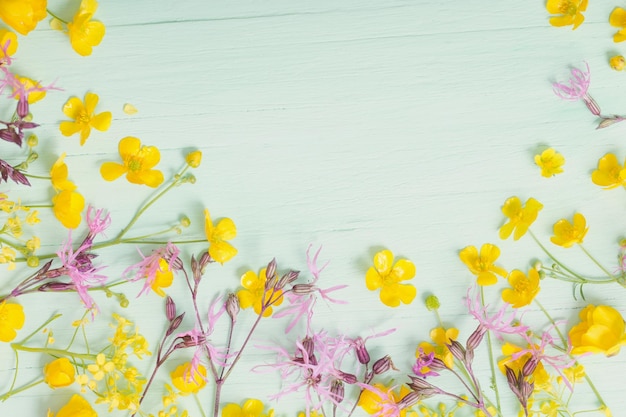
pixel 356 125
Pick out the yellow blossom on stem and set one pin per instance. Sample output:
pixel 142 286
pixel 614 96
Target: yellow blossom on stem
pixel 7 256
pixel 373 403
pixel 8 43
pixel 482 265
pixel 523 288
pixel 520 216
pixel 137 164
pixel 551 162
pixel 569 12
pixel 67 207
pixel 574 374
pixel 442 337
pixel 76 407
pixel 163 278
pixel 217 235
pixel 387 276
pixel 185 381
pixel 22 15
pixel 617 62
pixel 601 330
pixel 85 33
pixel 609 174
pixel 84 117
pixel 11 319
pixel 194 158
pixel 59 174
pixel 566 234
pixel 59 373
pixel 253 293
pixel 102 367
pixel 251 408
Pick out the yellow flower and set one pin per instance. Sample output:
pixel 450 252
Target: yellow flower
pixel 217 235
pixel 551 162
pixel 566 233
pixel 610 174
pixel 35 91
pixel 574 374
pixel 387 276
pixel 67 207
pixel 22 15
pixel 253 293
pixel 441 337
pixel 601 330
pixel 185 381
pixel 11 319
pixel 523 288
pixel 312 413
pixel 8 43
pixel 540 376
pixel 7 256
pixel 101 367
pixel 85 33
pixel 138 162
pixel 251 408
pixel 163 278
pixel 76 407
pixel 618 19
pixel 59 174
pixel 372 403
pixel 59 373
pixel 607 412
pixel 569 11
pixel 194 158
pixel 520 217
pixel 617 62
pixel 84 117
pixel 491 409
pixel 482 265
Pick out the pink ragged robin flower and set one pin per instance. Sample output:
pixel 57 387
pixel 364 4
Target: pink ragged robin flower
pixel 577 89
pixel 154 265
pixel 498 323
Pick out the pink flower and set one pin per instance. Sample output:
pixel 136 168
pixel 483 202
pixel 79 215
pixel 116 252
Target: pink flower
pixel 423 363
pixel 498 323
pixel 576 89
pixel 148 267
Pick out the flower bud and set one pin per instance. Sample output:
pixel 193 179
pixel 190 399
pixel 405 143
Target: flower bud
pixel 170 308
pixel 194 158
pixel 32 141
pixel 530 366
pixel 174 324
pixel 270 271
pixel 22 106
pixel 337 391
pixel 382 365
pixel 56 286
pixel 409 400
pixel 457 350
pixel 232 306
pixel 361 351
pixel 59 373
pixel 32 261
pixel 303 289
pixel 348 378
pixel 288 278
pixel 475 338
pixel 309 347
pixel 432 303
pixel 185 221
pixel 617 62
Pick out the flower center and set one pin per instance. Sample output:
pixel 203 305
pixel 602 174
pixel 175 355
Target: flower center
pixel 83 118
pixel 134 164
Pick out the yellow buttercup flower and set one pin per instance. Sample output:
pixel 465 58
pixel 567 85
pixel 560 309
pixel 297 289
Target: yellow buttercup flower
pixel 76 407
pixel 67 207
pixel 251 408
pixel 137 164
pixel 373 403
pixel 194 158
pixel 523 288
pixel 8 43
pixel 387 276
pixel 163 278
pixel 84 117
pixel 601 330
pixel 217 235
pixel 101 368
pixel 551 162
pixel 442 337
pixel 59 174
pixel 85 33
pixel 59 373
pixel 22 15
pixel 618 19
pixel 520 217
pixel 610 174
pixel 482 265
pixel 11 319
pixel 617 62
pixel 567 234
pixel 252 294
pixel 569 12
pixel 187 383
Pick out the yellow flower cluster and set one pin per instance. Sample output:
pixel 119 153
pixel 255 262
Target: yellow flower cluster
pixel 18 215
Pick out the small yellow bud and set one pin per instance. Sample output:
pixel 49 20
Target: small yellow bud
pixel 191 179
pixel 185 222
pixel 32 141
pixel 124 302
pixel 32 261
pixel 194 158
pixel 29 116
pixel 617 62
pixel 432 303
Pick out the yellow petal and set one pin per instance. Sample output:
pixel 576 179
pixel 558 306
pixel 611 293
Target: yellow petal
pixel 251 281
pixel 404 270
pixel 383 261
pixel 111 171
pixel 222 251
pixel 152 178
pixel 150 156
pixel 69 128
pixel 91 101
pixel 73 107
pixel 253 407
pixel 246 298
pixel 373 280
pixel 129 109
pixel 486 278
pixel 84 134
pixel 618 17
pixel 129 146
pixel 102 121
pixel 225 229
pixel 231 410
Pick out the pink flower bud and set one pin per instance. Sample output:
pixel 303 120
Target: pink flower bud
pixel 382 365
pixel 361 351
pixel 170 308
pixel 337 391
pixel 232 306
pixel 303 289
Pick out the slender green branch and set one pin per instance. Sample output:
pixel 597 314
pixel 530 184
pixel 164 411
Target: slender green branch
pixel 556 261
pixel 597 263
pixel 55 16
pixel 491 358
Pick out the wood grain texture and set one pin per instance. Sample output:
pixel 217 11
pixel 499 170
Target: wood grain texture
pixel 356 125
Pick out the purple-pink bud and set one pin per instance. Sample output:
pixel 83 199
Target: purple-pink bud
pixel 232 306
pixel 174 324
pixel 409 400
pixel 382 365
pixel 56 286
pixel 22 106
pixel 303 289
pixel 309 347
pixel 337 391
pixel 170 308
pixel 270 271
pixel 530 366
pixel 361 351
pixel 348 378
pixel 457 350
pixel 475 338
pixel 205 259
pixel 288 278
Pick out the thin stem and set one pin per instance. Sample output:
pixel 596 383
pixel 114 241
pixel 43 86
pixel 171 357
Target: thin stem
pixel 55 16
pixel 53 351
pixel 39 177
pixel 6 395
pixel 195 396
pixel 597 263
pixel 556 261
pixel 491 357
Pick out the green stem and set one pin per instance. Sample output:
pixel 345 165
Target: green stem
pixel 556 261
pixel 195 396
pixel 53 351
pixel 491 357
pixel 39 177
pixel 55 16
pixel 6 395
pixel 597 263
